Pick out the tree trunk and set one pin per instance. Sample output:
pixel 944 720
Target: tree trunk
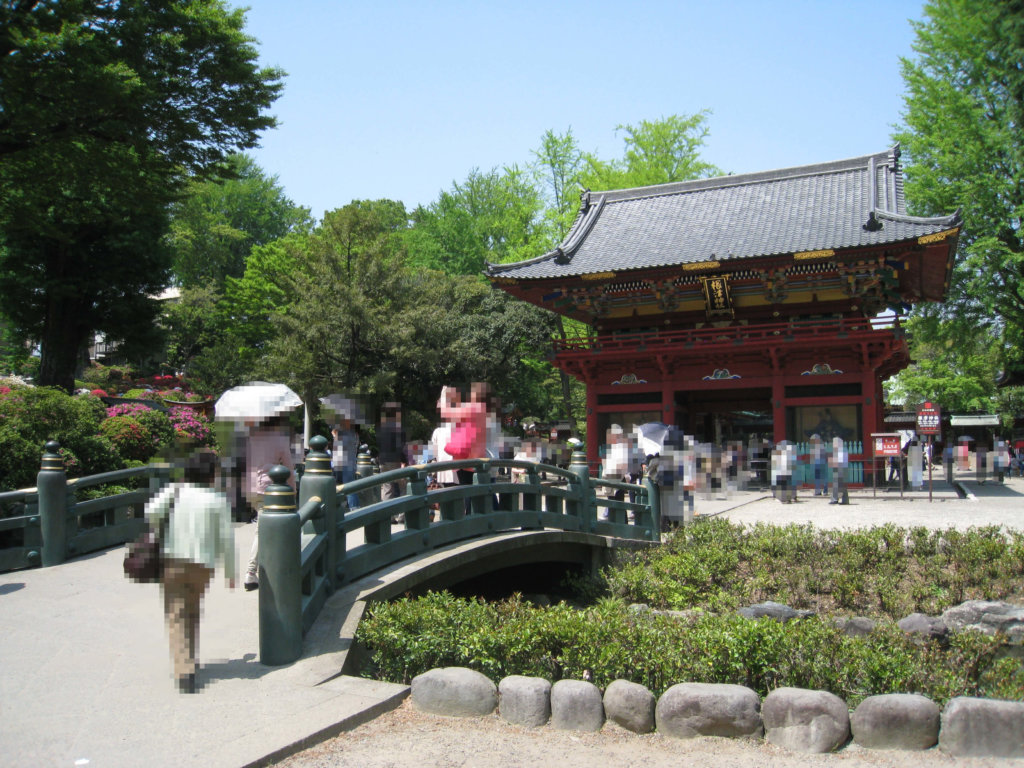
pixel 63 339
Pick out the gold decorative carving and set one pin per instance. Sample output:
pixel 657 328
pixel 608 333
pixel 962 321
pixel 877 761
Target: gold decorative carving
pixel 599 276
pixel 803 255
pixel 699 265
pixel 937 236
pixel 504 280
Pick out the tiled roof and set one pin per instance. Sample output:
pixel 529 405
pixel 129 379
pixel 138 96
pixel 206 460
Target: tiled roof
pixel 844 204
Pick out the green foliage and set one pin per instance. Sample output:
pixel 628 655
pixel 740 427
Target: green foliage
pixel 885 571
pixel 490 216
pixel 612 642
pixel 157 91
pixel 216 224
pixel 131 438
pixel 30 416
pixel 961 137
pixel 656 152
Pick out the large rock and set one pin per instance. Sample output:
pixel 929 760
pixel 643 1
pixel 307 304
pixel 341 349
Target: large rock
pixel 576 706
pixel 773 610
pixel 805 721
pixel 982 728
pixel 922 628
pixel 896 721
pixel 688 710
pixel 630 705
pixel 988 616
pixel 525 700
pixel 858 626
pixel 454 691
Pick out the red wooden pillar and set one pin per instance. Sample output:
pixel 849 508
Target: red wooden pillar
pixel 594 440
pixel 778 407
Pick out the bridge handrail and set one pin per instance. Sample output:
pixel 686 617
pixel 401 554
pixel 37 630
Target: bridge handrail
pixel 303 553
pixel 55 525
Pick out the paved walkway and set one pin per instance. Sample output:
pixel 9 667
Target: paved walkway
pixel 85 674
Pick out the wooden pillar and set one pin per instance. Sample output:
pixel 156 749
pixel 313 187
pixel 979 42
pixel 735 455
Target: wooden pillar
pixel 594 440
pixel 778 407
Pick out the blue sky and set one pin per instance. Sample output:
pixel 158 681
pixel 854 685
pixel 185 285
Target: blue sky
pixel 399 99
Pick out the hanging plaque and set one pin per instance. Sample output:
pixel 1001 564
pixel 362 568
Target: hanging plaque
pixel 716 297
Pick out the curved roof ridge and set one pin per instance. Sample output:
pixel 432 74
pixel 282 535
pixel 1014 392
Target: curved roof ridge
pixel 952 219
pixel 740 179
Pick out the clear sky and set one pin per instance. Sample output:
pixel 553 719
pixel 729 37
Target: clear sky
pixel 400 98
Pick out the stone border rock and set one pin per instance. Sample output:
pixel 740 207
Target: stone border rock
pixel 797 719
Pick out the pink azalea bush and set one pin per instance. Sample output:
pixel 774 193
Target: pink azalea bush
pixel 192 425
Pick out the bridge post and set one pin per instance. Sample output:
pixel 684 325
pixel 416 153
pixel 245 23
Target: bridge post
pixel 587 510
pixel 52 485
pixel 364 468
pixel 318 481
pixel 654 503
pixel 280 553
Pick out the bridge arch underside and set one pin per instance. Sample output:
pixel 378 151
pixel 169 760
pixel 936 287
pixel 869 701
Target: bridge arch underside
pixel 479 558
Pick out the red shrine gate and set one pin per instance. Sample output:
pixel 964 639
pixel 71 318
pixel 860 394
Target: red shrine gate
pixel 759 304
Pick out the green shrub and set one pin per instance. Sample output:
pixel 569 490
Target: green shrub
pixel 131 438
pixel 30 416
pixel 610 641
pixel 885 571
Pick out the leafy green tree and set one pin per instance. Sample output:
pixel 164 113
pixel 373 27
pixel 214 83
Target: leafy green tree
pixel 216 223
pixel 656 152
pixel 964 148
pixel 492 216
pixel 558 167
pixel 105 107
pixel 956 364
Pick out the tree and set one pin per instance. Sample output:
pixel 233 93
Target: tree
pixel 105 107
pixel 656 152
pixel 490 216
pixel 963 143
pixel 218 221
pixel 558 167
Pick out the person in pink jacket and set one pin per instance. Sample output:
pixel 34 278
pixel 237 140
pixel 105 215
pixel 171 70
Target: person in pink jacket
pixel 469 425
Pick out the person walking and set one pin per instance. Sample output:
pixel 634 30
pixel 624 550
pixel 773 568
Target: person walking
pixel 194 522
pixel 267 445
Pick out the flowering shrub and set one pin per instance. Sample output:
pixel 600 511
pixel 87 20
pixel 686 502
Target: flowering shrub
pixel 127 409
pixel 98 393
pixel 192 425
pixel 131 438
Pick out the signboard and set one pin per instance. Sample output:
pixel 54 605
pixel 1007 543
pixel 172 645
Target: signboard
pixel 975 420
pixel 887 444
pixel 928 419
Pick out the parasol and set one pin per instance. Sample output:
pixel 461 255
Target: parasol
pixel 257 400
pixel 651 437
pixel 343 407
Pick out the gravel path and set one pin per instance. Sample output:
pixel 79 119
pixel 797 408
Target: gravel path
pixel 406 738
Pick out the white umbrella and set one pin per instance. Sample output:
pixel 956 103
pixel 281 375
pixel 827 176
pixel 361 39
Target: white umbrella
pixel 343 407
pixel 650 437
pixel 258 400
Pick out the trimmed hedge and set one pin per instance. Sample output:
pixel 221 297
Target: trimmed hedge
pixel 611 641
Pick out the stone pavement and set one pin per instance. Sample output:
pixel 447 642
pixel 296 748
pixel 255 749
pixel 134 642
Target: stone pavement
pixel 85 677
pixel 85 674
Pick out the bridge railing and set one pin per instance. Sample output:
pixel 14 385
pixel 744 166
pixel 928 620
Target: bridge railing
pixel 50 524
pixel 303 552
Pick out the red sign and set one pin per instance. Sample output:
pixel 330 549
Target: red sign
pixel 928 419
pixel 887 445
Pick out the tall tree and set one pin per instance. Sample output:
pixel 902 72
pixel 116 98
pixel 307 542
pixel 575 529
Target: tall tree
pixel 963 142
pixel 491 216
pixel 218 221
pixel 105 107
pixel 656 152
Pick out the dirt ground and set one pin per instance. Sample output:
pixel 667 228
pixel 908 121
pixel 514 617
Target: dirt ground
pixel 406 738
